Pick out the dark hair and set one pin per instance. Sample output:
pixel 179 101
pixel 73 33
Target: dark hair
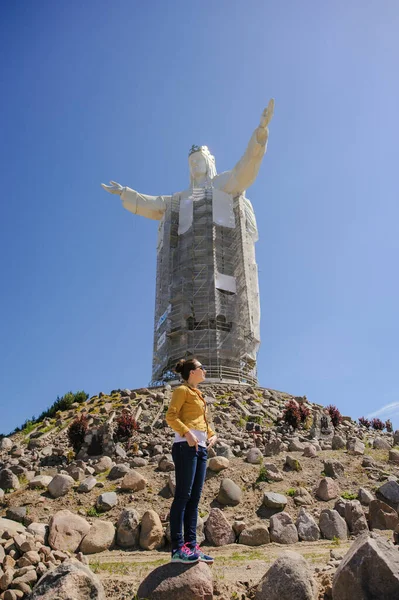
pixel 184 367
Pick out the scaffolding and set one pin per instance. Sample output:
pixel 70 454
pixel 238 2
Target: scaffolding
pixel 207 295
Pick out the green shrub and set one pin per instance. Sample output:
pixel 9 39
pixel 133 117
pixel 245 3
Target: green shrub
pixel 262 475
pixel 348 496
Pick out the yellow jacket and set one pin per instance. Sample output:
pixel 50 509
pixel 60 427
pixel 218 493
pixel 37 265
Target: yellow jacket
pixel 187 410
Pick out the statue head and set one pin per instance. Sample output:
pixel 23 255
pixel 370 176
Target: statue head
pixel 202 165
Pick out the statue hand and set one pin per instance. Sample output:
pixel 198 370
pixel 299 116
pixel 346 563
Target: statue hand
pixel 115 188
pixel 262 132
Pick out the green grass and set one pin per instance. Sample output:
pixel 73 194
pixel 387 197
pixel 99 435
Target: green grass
pixel 92 512
pixel 349 496
pixel 262 475
pixel 291 492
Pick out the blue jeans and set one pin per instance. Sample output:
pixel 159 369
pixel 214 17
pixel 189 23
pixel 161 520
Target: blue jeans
pixel 190 470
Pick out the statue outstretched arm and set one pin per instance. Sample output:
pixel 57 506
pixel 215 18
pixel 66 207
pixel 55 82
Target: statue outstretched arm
pixel 244 173
pixel 151 207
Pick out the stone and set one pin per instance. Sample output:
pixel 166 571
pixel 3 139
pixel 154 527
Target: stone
pixel 282 529
pixel 218 463
pixel 381 444
pixel 218 530
pixel 133 481
pixel 8 480
pixel 87 485
pixel 99 538
pixel 296 446
pixel 254 456
pixel 396 438
pixel 332 525
pixel 166 464
pixel 388 492
pixel 40 482
pixel 107 501
pixel 16 513
pixel 6 578
pixel 67 531
pixel 382 516
pixel 365 496
pixel 369 462
pixel 40 530
pixel 355 446
pixel 338 442
pixel 11 527
pixel 138 461
pixel 76 473
pixel 333 468
pixel 274 500
pixel 128 528
pixel 310 451
pixel 178 582
pixel 118 471
pixel 6 444
pixel 289 578
pixel 302 497
pixel 340 505
pixel 256 535
pixel 272 472
pixel 370 569
pixel 292 463
pixel 394 456
pixel 224 450
pixel 308 530
pixel 327 490
pixel 104 464
pixel 151 531
pixel 229 493
pixel 355 517
pixel 71 580
pixel 60 485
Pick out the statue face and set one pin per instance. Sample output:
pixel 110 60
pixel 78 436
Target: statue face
pixel 197 164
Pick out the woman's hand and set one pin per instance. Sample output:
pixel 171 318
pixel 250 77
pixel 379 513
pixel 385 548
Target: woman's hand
pixel 212 441
pixel 191 439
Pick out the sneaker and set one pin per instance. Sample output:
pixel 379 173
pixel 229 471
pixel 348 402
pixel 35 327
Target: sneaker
pixel 203 557
pixel 185 555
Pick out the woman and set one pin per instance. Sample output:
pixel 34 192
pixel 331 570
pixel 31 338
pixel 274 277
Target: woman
pixel 186 415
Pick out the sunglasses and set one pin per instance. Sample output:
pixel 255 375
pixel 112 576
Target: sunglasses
pixel 200 367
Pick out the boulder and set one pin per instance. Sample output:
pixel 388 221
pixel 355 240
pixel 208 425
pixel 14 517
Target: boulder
pixel 133 481
pixel 333 468
pixel 128 528
pixel 302 497
pixel 118 471
pixel 332 525
pixel 229 493
pixel 308 530
pixel 355 447
pixel 11 527
pixel 218 463
pixel 292 463
pixel 274 500
pixel 107 501
pixel 272 472
pixel 282 529
pixel 99 538
pixel 87 485
pixel 178 582
pixel 327 490
pixel 355 517
pixel 381 444
pixel 296 446
pixel 310 451
pixel 338 442
pixel 104 464
pixel 72 580
pixel 388 492
pixel 256 535
pixel 60 485
pixel 365 496
pixel 151 532
pixel 382 516
pixel 289 578
pixel 6 444
pixel 394 456
pixel 40 481
pixel 254 456
pixel 218 530
pixel 370 569
pixel 8 480
pixel 67 531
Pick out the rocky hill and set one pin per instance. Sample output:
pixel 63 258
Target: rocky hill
pixel 321 491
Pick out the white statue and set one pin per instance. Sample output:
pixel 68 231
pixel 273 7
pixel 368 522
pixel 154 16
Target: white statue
pixel 226 192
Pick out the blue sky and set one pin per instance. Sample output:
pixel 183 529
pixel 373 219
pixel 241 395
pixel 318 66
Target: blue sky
pixel 98 90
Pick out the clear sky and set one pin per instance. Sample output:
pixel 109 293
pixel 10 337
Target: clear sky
pixel 99 90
